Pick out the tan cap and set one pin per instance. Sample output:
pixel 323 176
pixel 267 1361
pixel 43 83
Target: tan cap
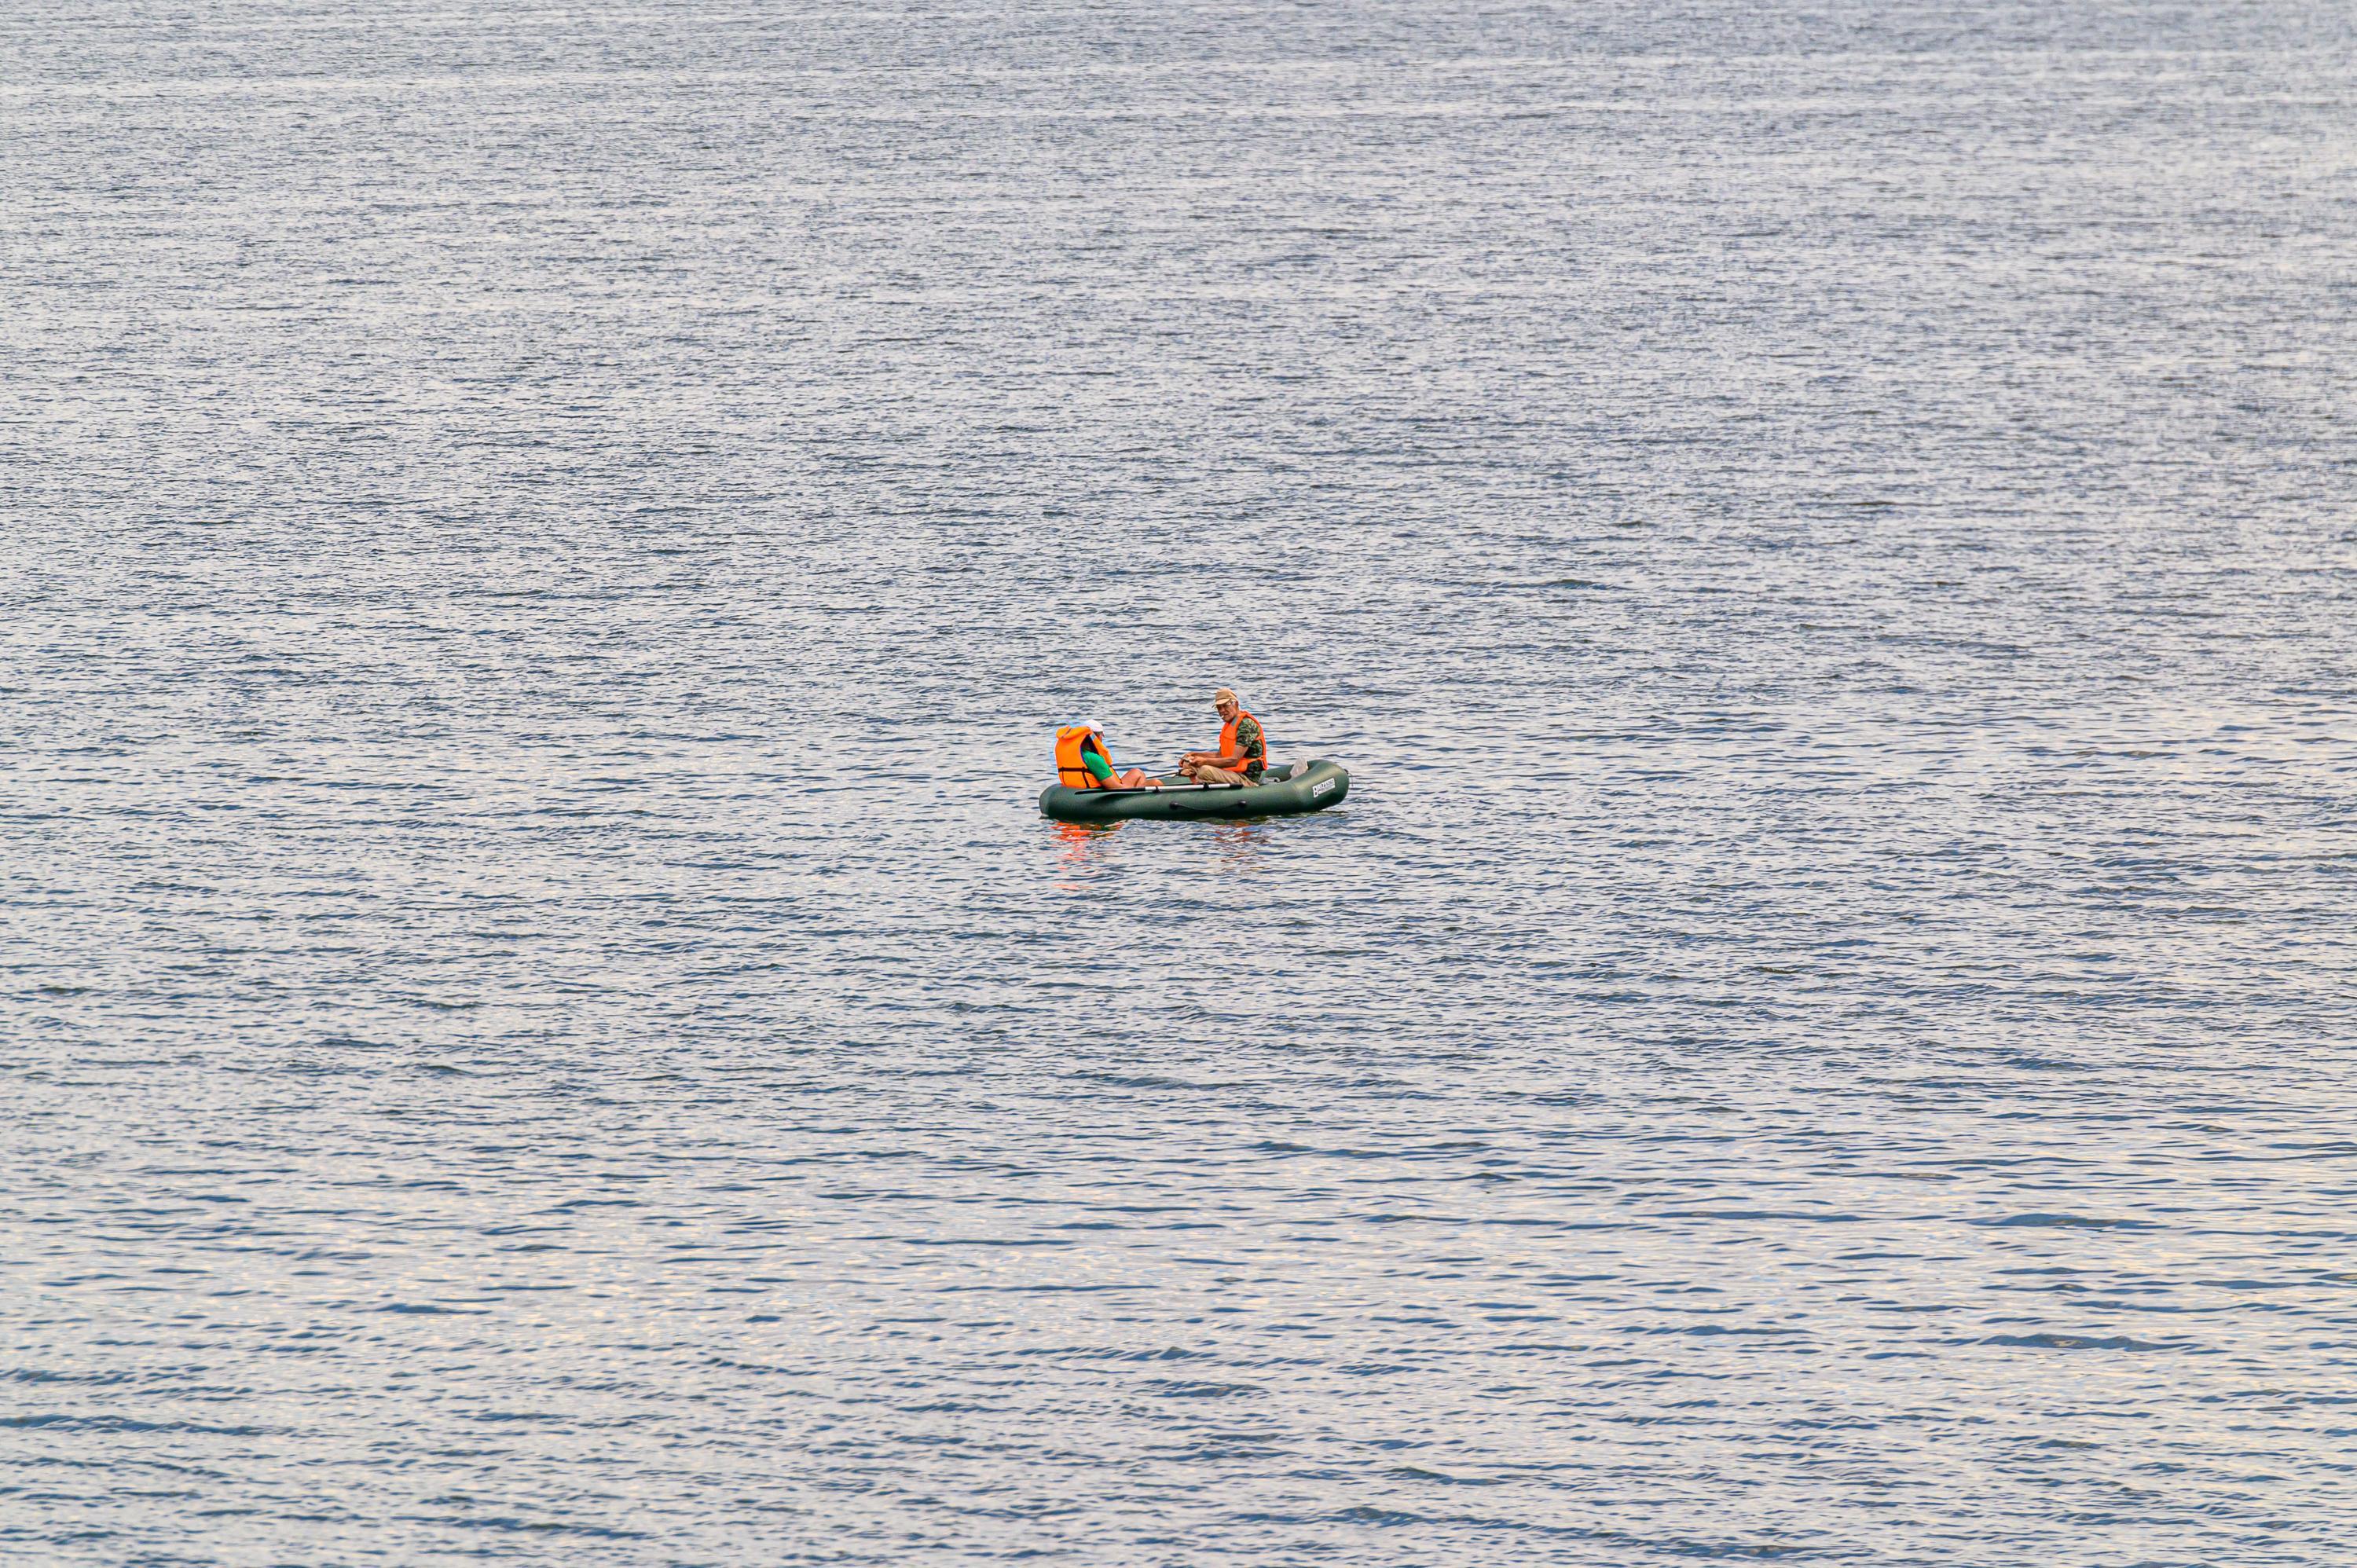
pixel 1223 695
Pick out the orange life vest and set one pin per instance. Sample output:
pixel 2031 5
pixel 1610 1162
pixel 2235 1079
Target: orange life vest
pixel 1071 771
pixel 1228 739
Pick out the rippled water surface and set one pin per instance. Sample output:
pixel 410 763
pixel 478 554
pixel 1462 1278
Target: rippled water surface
pixel 543 550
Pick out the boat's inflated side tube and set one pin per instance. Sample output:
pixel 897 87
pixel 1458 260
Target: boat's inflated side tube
pixel 1286 792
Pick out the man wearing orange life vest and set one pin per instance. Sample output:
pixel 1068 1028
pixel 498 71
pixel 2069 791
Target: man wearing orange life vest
pixel 1244 750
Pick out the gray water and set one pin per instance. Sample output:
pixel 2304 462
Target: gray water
pixel 543 552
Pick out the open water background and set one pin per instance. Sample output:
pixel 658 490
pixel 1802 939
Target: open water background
pixel 542 548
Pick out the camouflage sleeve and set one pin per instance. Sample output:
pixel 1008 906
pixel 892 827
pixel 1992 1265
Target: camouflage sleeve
pixel 1248 739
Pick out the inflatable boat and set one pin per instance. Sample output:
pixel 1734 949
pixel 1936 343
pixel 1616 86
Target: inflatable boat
pixel 1285 790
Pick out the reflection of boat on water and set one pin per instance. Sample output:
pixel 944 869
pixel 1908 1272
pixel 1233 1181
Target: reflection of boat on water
pixel 1282 791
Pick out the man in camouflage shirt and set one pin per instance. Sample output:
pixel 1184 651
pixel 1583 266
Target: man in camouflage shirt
pixel 1242 753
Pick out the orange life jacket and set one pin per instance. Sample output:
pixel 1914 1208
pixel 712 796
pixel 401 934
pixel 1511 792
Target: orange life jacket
pixel 1228 739
pixel 1071 771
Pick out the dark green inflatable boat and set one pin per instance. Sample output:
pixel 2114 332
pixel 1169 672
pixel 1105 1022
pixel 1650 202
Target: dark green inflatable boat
pixel 1282 791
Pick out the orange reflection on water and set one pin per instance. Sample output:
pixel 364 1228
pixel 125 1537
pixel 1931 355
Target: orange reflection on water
pixel 1080 848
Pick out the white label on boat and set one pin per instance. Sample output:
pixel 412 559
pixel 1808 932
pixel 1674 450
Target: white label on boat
pixel 1321 789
